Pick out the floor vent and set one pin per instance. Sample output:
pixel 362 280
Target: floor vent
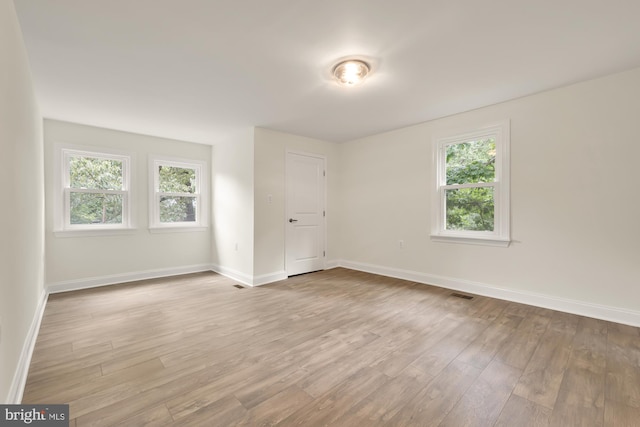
pixel 457 295
pixel 238 286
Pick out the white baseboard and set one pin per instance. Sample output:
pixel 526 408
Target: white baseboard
pixel 263 279
pixel 248 280
pixel 22 370
pixel 333 263
pixel 236 275
pixel 92 282
pixel 613 314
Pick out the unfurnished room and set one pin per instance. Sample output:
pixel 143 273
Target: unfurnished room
pixel 320 213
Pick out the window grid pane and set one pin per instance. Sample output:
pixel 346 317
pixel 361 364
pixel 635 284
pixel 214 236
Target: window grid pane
pixel 178 201
pixel 178 209
pixel 471 162
pixel 174 179
pixel 95 173
pixel 470 209
pixel 95 208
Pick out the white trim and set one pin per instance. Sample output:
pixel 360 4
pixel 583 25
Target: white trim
pixel 264 279
pixel 114 279
pixel 501 131
pixel 22 370
pixel 95 233
pixel 177 229
pixel 597 311
pixel 202 194
pixel 62 153
pixel 470 240
pixel 334 263
pixel 287 174
pixel 236 275
pixel 92 282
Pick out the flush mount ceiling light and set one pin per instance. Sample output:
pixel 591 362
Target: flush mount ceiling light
pixel 351 72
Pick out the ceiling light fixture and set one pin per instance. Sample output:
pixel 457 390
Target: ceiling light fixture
pixel 351 72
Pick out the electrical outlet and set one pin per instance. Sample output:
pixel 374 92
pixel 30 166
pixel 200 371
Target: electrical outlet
pixel 236 247
pixel 269 198
pixel 401 244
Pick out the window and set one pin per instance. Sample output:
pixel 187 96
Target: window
pixel 94 191
pixel 178 194
pixel 471 196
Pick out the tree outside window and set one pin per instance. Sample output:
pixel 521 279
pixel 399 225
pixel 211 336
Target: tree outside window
pixel 471 195
pixel 95 186
pixel 94 191
pixel 470 173
pixel 178 194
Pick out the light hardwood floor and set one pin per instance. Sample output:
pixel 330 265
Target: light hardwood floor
pixel 337 347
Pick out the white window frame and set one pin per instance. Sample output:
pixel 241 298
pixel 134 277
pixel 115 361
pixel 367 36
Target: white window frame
pixel 62 206
pixel 201 195
pixel 500 236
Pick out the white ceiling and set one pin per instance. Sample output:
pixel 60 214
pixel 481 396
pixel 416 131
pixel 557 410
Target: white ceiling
pixel 198 70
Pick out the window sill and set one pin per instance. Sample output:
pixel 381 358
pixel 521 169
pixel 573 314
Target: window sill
pixel 177 229
pixel 484 241
pixel 95 233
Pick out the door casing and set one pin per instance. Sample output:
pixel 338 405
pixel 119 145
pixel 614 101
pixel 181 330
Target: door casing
pixel 293 267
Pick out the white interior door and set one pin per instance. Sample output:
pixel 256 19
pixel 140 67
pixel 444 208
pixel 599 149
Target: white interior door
pixel 305 220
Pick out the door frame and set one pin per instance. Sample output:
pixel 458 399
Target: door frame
pixel 287 233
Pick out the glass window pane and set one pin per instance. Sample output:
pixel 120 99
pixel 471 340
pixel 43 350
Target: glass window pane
pixel 90 208
pixel 95 173
pixel 471 162
pixel 177 180
pixel 177 209
pixel 470 209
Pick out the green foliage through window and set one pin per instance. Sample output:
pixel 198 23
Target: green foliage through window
pixel 95 173
pixel 92 182
pixel 472 163
pixel 470 209
pixel 177 209
pixel 178 188
pixel 91 208
pixel 177 180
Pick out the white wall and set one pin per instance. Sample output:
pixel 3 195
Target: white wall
pixel 22 211
pixel 81 260
pixel 575 203
pixel 232 201
pixel 270 156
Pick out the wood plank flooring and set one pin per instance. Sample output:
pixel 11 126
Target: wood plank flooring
pixel 337 347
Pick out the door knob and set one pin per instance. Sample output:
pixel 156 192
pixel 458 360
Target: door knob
pixel 293 220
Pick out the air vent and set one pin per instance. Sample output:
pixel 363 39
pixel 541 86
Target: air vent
pixel 238 286
pixel 457 295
